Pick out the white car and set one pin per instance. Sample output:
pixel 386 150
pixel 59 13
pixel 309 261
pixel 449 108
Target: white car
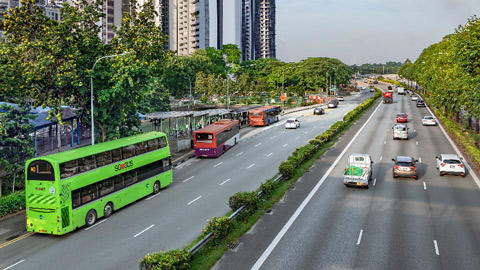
pixel 429 121
pixel 340 98
pixel 292 123
pixel 400 131
pixel 364 88
pixel 415 98
pixel 450 164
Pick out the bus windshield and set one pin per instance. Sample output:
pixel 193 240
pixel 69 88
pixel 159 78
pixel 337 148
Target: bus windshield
pixel 40 170
pixel 204 137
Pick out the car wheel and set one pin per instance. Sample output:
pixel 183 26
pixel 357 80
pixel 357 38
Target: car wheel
pixel 156 187
pixel 366 187
pixel 108 210
pixel 442 174
pixel 91 217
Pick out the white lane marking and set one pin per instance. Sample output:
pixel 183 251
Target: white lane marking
pixel 224 181
pixel 416 143
pixel 285 145
pixel 471 172
pixel 419 159
pixel 436 247
pixel 257 144
pixel 381 157
pixel 297 138
pixel 188 179
pixel 251 166
pixel 13 265
pixel 424 185
pixel 414 130
pixel 144 230
pixel 151 197
pixel 98 223
pixel 218 164
pixel 273 137
pixel 374 181
pixel 194 200
pixel 269 154
pixel 315 127
pixel 359 237
pixel 282 132
pixel 299 210
pixel 385 142
pixel 239 154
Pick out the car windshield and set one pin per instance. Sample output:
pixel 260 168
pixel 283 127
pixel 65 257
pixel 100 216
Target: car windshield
pixel 401 115
pixel 400 128
pixel 404 164
pixel 428 117
pixel 452 161
pixel 290 121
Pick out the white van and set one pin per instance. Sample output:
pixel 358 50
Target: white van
pixel 400 132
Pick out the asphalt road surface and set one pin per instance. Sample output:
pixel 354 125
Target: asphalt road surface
pixel 173 218
pixel 401 223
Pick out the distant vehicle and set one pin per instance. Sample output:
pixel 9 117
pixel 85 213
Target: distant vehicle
pixel 402 118
pixel 370 81
pixel 264 116
pixel 216 138
pixel 450 164
pixel 332 104
pixel 401 91
pixel 420 103
pixel 318 111
pixel 292 123
pixel 372 88
pixel 358 171
pixel 429 121
pixel 400 131
pixel 375 82
pixel 389 87
pixel 363 88
pixel 404 166
pixel 387 97
pixel 74 188
pixel 415 98
pixel 340 98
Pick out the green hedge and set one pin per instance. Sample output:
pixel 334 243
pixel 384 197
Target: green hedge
pixel 174 259
pixel 12 203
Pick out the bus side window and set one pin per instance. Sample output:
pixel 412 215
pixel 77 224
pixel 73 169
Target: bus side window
pixel 166 164
pixel 103 159
pixel 86 163
pixel 89 193
pixel 76 198
pixel 68 168
pixel 163 142
pixel 152 145
pixel 116 154
pixel 130 178
pixel 141 148
pixel 118 182
pixel 106 187
pixel 128 151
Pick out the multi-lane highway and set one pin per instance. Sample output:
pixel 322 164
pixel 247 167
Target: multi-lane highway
pixel 174 217
pixel 399 223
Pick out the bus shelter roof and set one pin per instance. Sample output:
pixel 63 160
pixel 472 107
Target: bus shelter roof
pixel 168 115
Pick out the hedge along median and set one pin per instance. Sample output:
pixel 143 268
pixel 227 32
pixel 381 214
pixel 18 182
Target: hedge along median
pixel 223 231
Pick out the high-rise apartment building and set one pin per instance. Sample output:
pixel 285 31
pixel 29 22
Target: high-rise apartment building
pixel 264 29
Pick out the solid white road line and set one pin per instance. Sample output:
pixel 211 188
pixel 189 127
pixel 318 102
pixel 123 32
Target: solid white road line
pixel 374 181
pixel 153 196
pixel 239 154
pixel 471 172
pixel 98 223
pixel 251 166
pixel 424 185
pixel 218 164
pixel 285 145
pixel 359 237
pixel 436 247
pixel 144 230
pixel 188 179
pixel 194 200
pixel 257 144
pixel 269 154
pixel 295 215
pixel 13 265
pixel 224 181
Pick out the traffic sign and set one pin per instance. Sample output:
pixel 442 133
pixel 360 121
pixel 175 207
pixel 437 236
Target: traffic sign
pixel 283 97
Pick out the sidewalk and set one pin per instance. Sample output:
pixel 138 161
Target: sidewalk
pixel 13 225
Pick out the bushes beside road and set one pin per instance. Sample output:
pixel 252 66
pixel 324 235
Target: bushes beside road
pixel 12 203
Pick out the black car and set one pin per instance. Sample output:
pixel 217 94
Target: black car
pixel 318 110
pixel 420 103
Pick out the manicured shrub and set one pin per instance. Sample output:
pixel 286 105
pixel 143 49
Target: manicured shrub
pixel 268 187
pixel 12 203
pixel 220 226
pixel 174 259
pixel 287 169
pixel 243 198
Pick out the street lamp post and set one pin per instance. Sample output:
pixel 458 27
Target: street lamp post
pixel 91 87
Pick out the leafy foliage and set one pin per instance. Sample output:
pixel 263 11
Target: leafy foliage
pixel 220 226
pixel 12 203
pixel 174 259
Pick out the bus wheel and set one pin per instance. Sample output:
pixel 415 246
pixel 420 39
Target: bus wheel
pixel 156 187
pixel 108 210
pixel 91 217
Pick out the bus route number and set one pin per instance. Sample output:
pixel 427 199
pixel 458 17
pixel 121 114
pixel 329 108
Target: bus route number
pixel 124 166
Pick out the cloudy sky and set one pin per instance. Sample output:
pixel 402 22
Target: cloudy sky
pixel 366 31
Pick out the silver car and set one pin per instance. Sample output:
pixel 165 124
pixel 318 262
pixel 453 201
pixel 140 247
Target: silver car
pixel 450 164
pixel 429 121
pixel 400 132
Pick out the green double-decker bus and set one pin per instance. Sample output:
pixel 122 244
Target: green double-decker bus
pixel 67 190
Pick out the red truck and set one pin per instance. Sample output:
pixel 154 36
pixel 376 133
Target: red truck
pixel 387 97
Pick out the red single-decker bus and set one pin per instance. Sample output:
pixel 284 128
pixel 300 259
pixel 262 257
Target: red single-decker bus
pixel 264 116
pixel 213 140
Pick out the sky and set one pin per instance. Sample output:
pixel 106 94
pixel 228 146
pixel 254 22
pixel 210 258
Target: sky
pixel 366 31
